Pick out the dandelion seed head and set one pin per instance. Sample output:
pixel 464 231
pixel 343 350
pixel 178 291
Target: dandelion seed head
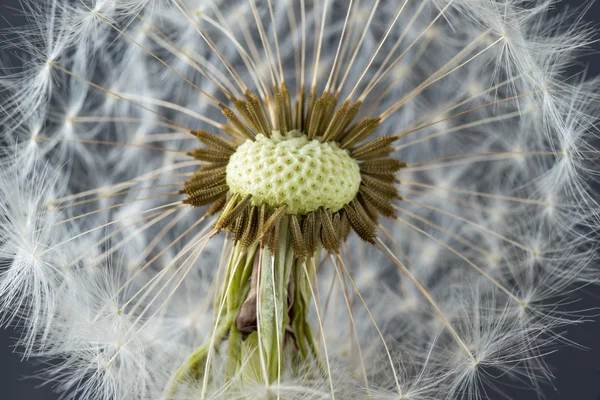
pixel 144 255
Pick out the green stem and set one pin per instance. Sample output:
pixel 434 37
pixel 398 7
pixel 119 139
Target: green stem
pixel 278 311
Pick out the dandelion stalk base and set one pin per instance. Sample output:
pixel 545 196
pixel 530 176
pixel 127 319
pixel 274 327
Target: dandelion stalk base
pixel 261 325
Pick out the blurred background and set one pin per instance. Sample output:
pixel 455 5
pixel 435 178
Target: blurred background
pixel 577 371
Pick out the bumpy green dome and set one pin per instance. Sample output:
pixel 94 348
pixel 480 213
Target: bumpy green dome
pixel 290 169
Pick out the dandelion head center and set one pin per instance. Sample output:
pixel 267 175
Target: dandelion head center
pixel 314 171
pixel 290 169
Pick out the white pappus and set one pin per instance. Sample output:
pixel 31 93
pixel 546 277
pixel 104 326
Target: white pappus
pixel 132 264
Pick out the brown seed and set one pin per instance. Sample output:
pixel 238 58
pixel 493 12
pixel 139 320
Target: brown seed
pixel 208 173
pixel 216 206
pixel 234 133
pixel 296 237
pixel 288 109
pixel 343 125
pixel 384 166
pixel 310 109
pixel 345 227
pixel 309 232
pixel 380 147
pixel 238 226
pixel 299 109
pixel 231 211
pixel 336 121
pixel 387 178
pixel 215 141
pixel 280 112
pixel 271 224
pixel 386 189
pixel 380 203
pixel 369 209
pixel 200 198
pixel 210 155
pixel 360 131
pixel 255 108
pixel 235 121
pixel 329 238
pixel 249 118
pixel 249 235
pixel 316 118
pixel 204 183
pixel 263 216
pixel 359 220
pixel 273 241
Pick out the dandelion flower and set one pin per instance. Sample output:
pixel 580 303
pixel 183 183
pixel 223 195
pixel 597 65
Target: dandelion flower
pixel 295 199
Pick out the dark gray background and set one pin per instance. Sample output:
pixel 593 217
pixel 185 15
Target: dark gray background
pixel 577 371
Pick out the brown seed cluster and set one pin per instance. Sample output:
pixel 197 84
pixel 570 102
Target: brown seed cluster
pixel 321 119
